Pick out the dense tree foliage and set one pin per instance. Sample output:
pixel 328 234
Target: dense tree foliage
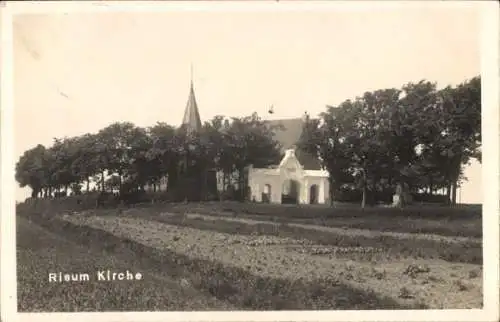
pixel 123 157
pixel 416 136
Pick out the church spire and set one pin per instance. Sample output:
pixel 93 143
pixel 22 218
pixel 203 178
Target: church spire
pixel 191 119
pixel 191 75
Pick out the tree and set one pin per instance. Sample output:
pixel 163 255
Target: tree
pixel 164 153
pixel 325 137
pixel 250 141
pixel 405 136
pixel 460 138
pixel 416 135
pixel 118 139
pixel 64 153
pixel 85 164
pixel 32 170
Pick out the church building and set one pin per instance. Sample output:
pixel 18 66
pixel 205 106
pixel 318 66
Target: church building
pixel 289 182
pixel 298 178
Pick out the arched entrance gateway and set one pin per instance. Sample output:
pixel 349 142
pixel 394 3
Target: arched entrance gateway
pixel 290 182
pixel 290 192
pixel 313 194
pixel 266 195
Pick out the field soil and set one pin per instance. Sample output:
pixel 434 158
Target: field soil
pixel 237 256
pixel 391 245
pixel 407 280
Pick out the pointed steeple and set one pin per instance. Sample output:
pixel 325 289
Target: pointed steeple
pixel 191 120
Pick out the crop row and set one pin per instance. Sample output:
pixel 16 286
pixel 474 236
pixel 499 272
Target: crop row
pixel 342 210
pixel 465 222
pixel 392 247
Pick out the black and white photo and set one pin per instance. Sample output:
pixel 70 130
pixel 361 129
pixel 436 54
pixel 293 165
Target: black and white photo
pixel 296 157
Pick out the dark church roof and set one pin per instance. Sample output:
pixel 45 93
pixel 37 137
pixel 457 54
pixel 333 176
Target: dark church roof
pixel 288 133
pixel 191 120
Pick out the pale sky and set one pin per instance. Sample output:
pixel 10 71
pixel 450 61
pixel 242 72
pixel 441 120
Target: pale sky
pixel 76 73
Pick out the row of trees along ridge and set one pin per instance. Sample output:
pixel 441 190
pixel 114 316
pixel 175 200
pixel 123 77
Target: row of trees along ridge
pixel 417 135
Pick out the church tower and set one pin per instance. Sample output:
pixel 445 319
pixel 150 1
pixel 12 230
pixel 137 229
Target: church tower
pixel 191 120
pixel 196 183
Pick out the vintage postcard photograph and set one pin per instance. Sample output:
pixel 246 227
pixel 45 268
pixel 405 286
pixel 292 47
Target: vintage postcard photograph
pixel 266 160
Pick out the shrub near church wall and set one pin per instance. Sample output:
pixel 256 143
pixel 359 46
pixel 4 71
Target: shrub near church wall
pixel 385 196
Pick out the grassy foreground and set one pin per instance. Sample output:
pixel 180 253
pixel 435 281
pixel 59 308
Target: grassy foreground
pixel 40 252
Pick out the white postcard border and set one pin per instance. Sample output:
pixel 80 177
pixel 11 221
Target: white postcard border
pixel 490 167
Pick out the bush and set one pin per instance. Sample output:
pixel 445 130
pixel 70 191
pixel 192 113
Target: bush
pixel 425 197
pixel 135 197
pixel 346 194
pixel 233 194
pixel 161 196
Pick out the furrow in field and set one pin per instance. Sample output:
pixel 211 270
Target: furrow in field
pixel 339 231
pixel 277 257
pixel 429 220
pixel 377 247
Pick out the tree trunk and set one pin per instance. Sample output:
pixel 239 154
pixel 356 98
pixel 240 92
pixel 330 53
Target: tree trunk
pixel 102 182
pixel 363 201
pixel 455 174
pixel 173 176
pixel 241 183
pixel 205 183
pixel 220 192
pixel 333 188
pixel 88 185
pixel 448 193
pixel 454 193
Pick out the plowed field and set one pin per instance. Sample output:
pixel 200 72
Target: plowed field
pixel 205 261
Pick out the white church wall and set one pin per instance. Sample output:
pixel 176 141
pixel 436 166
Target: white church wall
pixel 321 189
pixel 289 169
pixel 276 186
pixel 259 178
